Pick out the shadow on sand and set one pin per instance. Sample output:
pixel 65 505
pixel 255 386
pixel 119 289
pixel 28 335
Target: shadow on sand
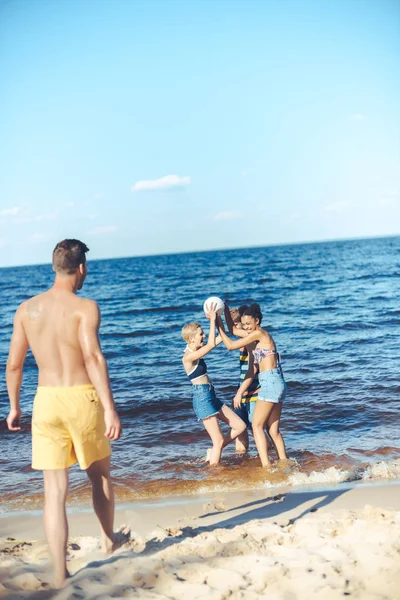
pixel 301 503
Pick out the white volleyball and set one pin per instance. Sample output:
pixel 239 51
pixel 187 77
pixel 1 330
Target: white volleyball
pixel 214 300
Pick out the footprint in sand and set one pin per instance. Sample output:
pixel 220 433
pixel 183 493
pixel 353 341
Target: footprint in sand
pixel 121 536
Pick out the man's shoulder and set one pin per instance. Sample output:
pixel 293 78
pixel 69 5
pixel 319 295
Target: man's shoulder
pixel 33 300
pixel 87 304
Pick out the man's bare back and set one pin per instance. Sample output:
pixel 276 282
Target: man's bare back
pixel 53 323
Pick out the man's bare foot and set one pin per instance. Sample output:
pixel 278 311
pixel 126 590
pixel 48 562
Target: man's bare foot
pixel 61 580
pixel 121 537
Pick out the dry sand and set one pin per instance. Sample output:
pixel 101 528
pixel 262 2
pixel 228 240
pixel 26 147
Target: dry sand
pixel 308 544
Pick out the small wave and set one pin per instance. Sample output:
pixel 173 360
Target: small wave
pixel 382 470
pixel 330 475
pixel 373 472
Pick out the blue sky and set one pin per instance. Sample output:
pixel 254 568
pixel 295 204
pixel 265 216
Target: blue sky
pixel 155 126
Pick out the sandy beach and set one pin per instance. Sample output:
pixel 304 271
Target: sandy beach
pixel 295 544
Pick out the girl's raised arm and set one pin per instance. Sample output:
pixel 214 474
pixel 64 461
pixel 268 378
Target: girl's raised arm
pixel 254 336
pixel 211 342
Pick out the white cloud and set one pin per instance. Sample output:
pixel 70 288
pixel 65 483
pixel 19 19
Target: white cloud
pixel 162 183
pixel 244 173
pixel 357 117
pixel 337 206
pixel 10 211
pixel 103 229
pixel 227 216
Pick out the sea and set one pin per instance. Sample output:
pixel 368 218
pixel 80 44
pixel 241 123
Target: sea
pixel 333 310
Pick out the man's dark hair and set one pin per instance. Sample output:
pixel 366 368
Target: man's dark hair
pixel 68 255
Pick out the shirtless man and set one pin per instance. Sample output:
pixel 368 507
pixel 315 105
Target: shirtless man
pixel 74 416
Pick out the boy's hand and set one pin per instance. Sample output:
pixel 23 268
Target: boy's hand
pixel 237 401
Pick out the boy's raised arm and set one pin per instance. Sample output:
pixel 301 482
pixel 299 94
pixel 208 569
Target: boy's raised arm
pixel 230 324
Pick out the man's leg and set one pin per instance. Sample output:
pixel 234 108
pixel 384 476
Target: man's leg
pixel 55 520
pixel 103 500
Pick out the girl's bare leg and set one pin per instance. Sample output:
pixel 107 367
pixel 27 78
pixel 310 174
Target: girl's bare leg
pixel 262 412
pixel 273 430
pixel 237 425
pixel 212 427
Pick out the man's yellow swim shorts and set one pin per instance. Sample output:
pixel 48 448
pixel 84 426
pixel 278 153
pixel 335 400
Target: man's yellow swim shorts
pixel 67 427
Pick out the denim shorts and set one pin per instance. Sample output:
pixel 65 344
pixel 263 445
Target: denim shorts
pixel 273 386
pixel 205 403
pixel 246 412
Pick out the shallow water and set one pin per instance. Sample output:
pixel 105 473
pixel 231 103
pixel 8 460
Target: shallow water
pixel 333 311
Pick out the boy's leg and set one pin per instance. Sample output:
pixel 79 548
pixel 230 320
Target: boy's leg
pixel 236 424
pixel 242 441
pixel 103 500
pixel 55 520
pixel 213 429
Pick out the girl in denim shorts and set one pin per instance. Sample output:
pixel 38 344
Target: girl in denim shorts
pixel 267 412
pixel 205 403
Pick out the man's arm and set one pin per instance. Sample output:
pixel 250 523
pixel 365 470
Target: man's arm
pixel 96 366
pixel 14 370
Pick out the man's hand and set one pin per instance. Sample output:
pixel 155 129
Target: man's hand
pixel 113 425
pixel 14 419
pixel 237 401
